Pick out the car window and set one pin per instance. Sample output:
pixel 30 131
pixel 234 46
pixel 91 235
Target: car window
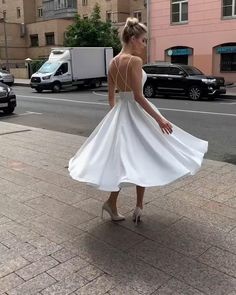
pixel 156 70
pixel 192 70
pixel 150 70
pixel 174 71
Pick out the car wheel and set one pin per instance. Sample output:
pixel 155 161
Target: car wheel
pixel 195 93
pixel 39 90
pixel 56 87
pixel 149 91
pixel 9 110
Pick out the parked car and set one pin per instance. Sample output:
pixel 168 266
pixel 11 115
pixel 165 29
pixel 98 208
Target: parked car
pixel 7 99
pixel 6 77
pixel 182 80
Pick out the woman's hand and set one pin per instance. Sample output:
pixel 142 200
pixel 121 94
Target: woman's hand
pixel 165 125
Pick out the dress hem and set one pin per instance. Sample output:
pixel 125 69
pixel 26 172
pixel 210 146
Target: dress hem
pixel 129 183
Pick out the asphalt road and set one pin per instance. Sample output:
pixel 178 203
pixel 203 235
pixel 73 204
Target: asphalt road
pixel 78 112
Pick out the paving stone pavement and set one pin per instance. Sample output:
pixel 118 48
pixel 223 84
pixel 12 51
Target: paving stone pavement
pixel 53 240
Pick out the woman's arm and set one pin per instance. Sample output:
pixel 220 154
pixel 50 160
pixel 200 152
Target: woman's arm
pixel 111 89
pixel 138 95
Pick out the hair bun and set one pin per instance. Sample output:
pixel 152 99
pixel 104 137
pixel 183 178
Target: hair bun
pixel 131 21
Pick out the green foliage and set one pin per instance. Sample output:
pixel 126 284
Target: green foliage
pixel 92 32
pixel 35 65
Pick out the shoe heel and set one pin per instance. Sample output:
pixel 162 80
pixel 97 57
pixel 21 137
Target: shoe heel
pixel 137 216
pixel 136 220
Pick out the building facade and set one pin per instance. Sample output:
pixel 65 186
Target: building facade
pixel 116 11
pixel 200 33
pixel 34 26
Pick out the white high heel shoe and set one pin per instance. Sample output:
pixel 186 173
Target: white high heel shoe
pixel 114 217
pixel 137 215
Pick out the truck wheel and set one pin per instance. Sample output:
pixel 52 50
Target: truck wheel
pixel 195 93
pixel 96 83
pixel 56 87
pixel 149 91
pixel 39 90
pixel 9 110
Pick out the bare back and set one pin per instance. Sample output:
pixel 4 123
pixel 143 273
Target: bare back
pixel 120 72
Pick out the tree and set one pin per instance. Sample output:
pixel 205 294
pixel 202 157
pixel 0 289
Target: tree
pixel 92 32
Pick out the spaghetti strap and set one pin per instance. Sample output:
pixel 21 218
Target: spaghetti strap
pixel 126 76
pixel 118 72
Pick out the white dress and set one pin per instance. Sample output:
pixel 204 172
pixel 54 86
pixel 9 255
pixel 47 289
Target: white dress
pixel 128 147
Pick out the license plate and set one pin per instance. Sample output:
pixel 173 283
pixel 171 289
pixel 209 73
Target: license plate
pixel 222 87
pixel 4 105
pixel 34 84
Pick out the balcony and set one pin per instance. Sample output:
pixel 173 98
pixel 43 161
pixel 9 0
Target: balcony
pixel 54 9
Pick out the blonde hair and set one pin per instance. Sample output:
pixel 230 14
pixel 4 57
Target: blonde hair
pixel 132 28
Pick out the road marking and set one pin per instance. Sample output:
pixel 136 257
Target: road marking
pixel 23 114
pixel 63 99
pixel 200 112
pixel 227 102
pixel 29 113
pixel 106 104
pixel 99 94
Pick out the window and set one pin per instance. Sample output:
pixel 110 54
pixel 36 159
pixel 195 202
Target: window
pixel 156 70
pixel 84 2
pixel 18 12
pixel 228 62
pixel 138 15
pixel 61 4
pixel 50 40
pixel 229 8
pixel 175 71
pixel 63 69
pixel 150 70
pixel 3 1
pixel 34 40
pixel 4 13
pixel 40 12
pixel 108 16
pixel 85 16
pixel 179 11
pixel 179 59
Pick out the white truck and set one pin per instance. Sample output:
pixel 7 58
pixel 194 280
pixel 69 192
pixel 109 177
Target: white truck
pixel 73 66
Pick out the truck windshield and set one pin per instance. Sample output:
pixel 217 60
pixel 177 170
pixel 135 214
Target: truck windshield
pixel 49 67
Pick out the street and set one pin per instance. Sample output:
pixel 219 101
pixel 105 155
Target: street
pixel 78 112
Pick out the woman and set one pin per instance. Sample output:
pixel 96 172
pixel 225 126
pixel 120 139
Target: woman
pixel 134 143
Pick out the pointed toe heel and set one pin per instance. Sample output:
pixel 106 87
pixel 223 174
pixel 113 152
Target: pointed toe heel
pixel 137 215
pixel 114 217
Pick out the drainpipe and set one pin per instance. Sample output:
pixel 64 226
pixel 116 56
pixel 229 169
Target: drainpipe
pixel 147 5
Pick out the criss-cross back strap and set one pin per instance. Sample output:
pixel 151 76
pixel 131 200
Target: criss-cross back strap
pixel 126 75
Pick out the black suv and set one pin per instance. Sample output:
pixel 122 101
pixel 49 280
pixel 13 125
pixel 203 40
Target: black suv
pixel 184 80
pixel 7 99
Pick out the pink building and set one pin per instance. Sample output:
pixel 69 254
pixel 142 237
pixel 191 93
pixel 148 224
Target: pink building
pixel 195 32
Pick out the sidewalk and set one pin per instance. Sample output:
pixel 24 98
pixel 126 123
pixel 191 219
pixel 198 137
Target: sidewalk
pixel 53 241
pixel 22 82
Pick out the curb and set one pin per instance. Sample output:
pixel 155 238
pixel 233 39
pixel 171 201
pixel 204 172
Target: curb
pixel 21 84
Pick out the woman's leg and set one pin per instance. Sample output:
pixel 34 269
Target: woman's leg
pixel 140 193
pixel 113 200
